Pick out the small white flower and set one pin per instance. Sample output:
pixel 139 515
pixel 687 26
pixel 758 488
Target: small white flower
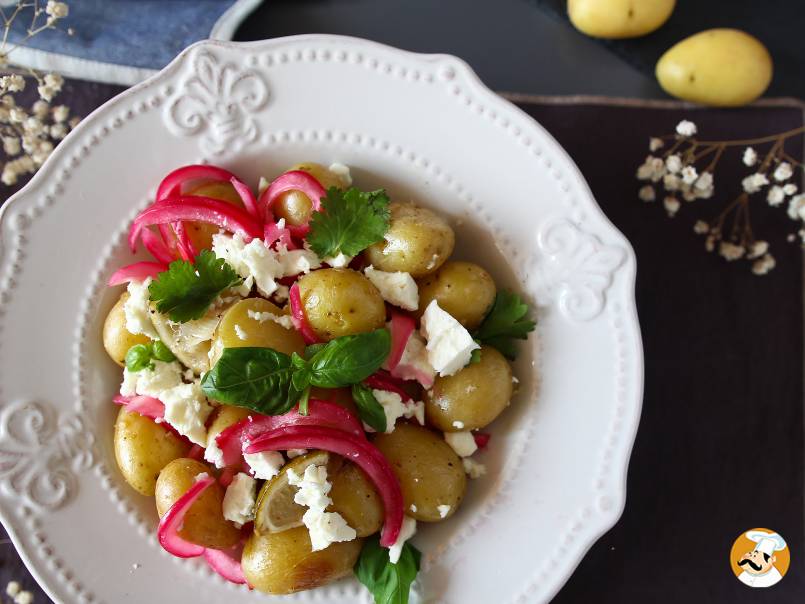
pixel 783 172
pixel 731 251
pixel 55 80
pixel 9 175
pixel 704 182
pixel 12 83
pixel 61 113
pixel 46 92
pixel 646 193
pixel 8 101
pixel 701 227
pixel 58 131
pixel 775 196
pixel 673 163
pixel 671 182
pixel 790 188
pixel 40 109
pixel 671 205
pixel 655 144
pixel 4 115
pixel 710 243
pixel 653 169
pixel 758 249
pixel 688 192
pixel 763 265
pixel 796 207
pixel 754 182
pixel 33 125
pixel 11 145
pixel 750 157
pixel 689 175
pixel 57 10
pixel 16 115
pixel 686 128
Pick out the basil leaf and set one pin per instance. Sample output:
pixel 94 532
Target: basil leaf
pixel 389 583
pixel 255 378
pixel 349 359
pixel 138 358
pixel 161 352
pixel 370 411
pixel 313 349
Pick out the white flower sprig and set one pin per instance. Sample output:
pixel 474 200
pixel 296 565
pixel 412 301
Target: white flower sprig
pixel 28 135
pixel 680 173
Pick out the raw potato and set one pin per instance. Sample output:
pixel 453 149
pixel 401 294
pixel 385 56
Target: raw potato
pixel 282 563
pixel 619 18
pixel 721 67
pixel 116 338
pixel 200 233
pixel 267 334
pixel 418 242
pixel 225 416
pixel 429 471
pixel 340 302
pixel 295 206
pixel 204 523
pixel 474 396
pixel 463 289
pixel 143 448
pixel 356 499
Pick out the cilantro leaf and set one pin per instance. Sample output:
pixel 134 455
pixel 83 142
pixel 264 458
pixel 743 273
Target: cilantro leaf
pixel 186 290
pixel 142 356
pixel 389 583
pixel 505 322
pixel 349 222
pixel 370 411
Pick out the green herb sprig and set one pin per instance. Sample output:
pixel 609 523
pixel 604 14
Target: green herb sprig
pixel 506 321
pixel 142 356
pixel 389 583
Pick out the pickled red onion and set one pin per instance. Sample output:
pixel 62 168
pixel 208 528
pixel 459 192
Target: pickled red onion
pixel 353 448
pixel 227 563
pixel 298 316
pixel 481 439
pixel 196 452
pixel 139 271
pixel 273 233
pixel 171 185
pixel 171 522
pixel 294 180
pixel 157 247
pixel 383 381
pixel 246 195
pixel 401 328
pixel 147 406
pixel 225 479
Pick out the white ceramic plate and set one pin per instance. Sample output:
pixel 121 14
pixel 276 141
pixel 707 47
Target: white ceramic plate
pixel 424 127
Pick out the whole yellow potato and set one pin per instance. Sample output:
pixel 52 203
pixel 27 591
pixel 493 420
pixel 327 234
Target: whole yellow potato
pixel 340 302
pixel 356 499
pixel 474 396
pixel 418 241
pixel 619 18
pixel 204 523
pixel 429 471
pixel 294 206
pixel 720 67
pixel 143 448
pixel 116 338
pixel 282 563
pixel 463 289
pixel 225 416
pixel 200 233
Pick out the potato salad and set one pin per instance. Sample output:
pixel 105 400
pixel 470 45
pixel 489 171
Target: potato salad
pixel 308 375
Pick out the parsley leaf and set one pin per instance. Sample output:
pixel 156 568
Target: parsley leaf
pixel 505 322
pixel 141 356
pixel 186 290
pixel 389 583
pixel 370 411
pixel 349 222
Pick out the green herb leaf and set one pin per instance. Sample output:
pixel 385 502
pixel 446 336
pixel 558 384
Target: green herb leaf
pixel 313 349
pixel 255 378
pixel 186 290
pixel 161 352
pixel 349 222
pixel 349 359
pixel 138 358
pixel 505 322
pixel 389 583
pixel 475 355
pixel 370 411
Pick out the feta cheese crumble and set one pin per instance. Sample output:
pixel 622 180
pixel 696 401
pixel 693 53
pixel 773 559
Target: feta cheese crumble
pixel 458 425
pixel 398 288
pixel 239 499
pixel 473 469
pixel 266 464
pixel 324 527
pixel 414 363
pixel 339 261
pixel 187 410
pixel 444 510
pixel 342 172
pixel 240 332
pixel 462 443
pixel 291 453
pixel 261 317
pixel 407 531
pixel 213 453
pixel 394 408
pixel 138 311
pixel 450 345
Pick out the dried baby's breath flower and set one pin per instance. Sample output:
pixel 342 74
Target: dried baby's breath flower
pixel 671 182
pixel 796 207
pixel 754 182
pixel 731 251
pixel 790 188
pixel 655 144
pixel 673 164
pixel 12 589
pixel 757 249
pixel 689 175
pixel 701 227
pixel 671 205
pixel 646 193
pixel 763 265
pixel 749 157
pixel 775 196
pixel 686 128
pixel 783 172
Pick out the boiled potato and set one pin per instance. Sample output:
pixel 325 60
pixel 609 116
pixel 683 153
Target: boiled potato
pixel 418 242
pixel 339 302
pixel 463 289
pixel 116 338
pixel 474 396
pixel 200 233
pixel 429 471
pixel 619 18
pixel 282 563
pixel 204 523
pixel 356 499
pixel 143 448
pixel 236 322
pixel 721 67
pixel 225 416
pixel 294 206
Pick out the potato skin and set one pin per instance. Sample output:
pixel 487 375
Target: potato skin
pixel 294 206
pixel 619 18
pixel 340 302
pixel 143 448
pixel 429 471
pixel 475 395
pixel 116 338
pixel 720 67
pixel 418 241
pixel 357 500
pixel 283 563
pixel 463 289
pixel 204 523
pixel 225 416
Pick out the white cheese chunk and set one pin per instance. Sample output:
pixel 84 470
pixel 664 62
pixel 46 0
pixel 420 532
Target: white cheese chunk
pixel 462 443
pixel 444 510
pixel 239 499
pixel 406 532
pixel 187 410
pixel 414 363
pixel 137 310
pixel 151 382
pixel 213 453
pixel 253 259
pixel 398 288
pixel 266 464
pixel 394 408
pixel 472 468
pixel 450 345
pixel 339 261
pixel 295 262
pixel 240 332
pixel 342 172
pixel 261 317
pixel 291 453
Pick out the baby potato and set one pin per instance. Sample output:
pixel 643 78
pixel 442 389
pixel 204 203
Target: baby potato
pixel 721 67
pixel 282 563
pixel 340 302
pixel 204 523
pixel 474 396
pixel 463 289
pixel 356 499
pixel 225 416
pixel 116 338
pixel 143 448
pixel 200 233
pixel 236 322
pixel 294 206
pixel 429 471
pixel 418 242
pixel 619 18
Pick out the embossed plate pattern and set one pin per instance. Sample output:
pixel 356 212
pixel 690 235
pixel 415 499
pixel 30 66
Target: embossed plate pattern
pixel 424 127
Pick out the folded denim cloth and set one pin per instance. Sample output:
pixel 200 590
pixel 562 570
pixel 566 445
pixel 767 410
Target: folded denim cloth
pixel 125 41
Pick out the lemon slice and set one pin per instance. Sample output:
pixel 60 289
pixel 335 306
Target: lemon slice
pixel 276 510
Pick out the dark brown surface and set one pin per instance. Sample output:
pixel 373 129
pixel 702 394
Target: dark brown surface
pixel 720 446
